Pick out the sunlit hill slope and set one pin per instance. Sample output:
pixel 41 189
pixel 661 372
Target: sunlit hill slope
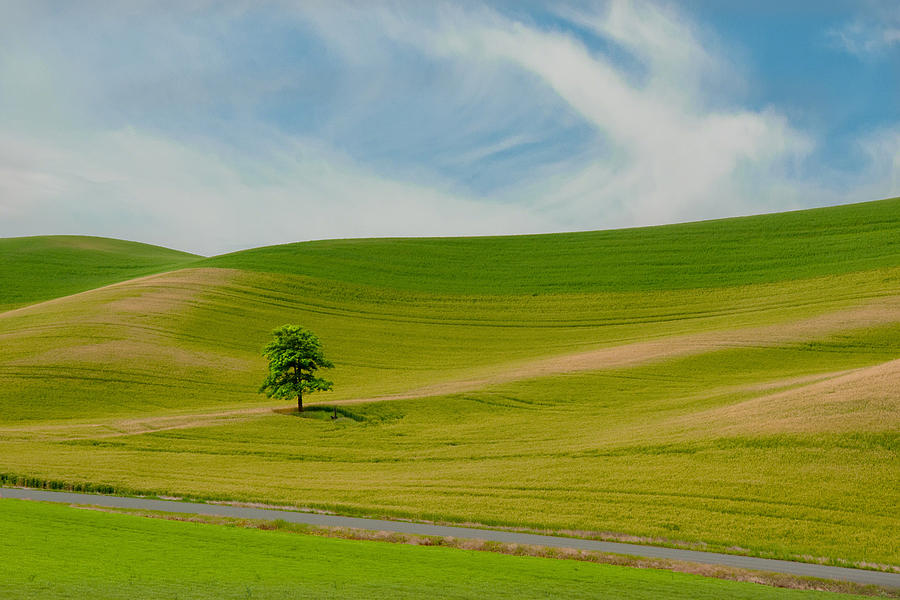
pixel 725 383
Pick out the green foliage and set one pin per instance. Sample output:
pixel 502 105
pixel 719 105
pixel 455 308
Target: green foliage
pixel 51 551
pixel 294 357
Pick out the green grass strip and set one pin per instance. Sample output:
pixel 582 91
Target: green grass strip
pixel 54 551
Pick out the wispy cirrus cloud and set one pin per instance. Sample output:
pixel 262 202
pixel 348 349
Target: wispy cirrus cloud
pixel 658 151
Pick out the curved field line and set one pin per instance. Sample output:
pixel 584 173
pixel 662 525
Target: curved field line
pixel 638 353
pixel 628 355
pixel 186 275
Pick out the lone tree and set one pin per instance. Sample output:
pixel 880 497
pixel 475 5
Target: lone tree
pixel 294 356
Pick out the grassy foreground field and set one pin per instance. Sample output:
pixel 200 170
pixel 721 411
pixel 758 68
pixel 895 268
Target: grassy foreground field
pixel 64 552
pixel 728 385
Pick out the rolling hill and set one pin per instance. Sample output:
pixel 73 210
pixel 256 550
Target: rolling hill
pixel 724 384
pixel 707 254
pixel 33 269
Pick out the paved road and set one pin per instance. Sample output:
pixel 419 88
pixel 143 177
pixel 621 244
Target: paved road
pixel 711 558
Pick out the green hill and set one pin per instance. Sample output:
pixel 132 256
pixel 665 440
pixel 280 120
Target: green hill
pixel 707 254
pixel 713 384
pixel 33 269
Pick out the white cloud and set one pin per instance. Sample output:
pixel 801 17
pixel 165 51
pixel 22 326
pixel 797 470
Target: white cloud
pixel 681 59
pixel 667 156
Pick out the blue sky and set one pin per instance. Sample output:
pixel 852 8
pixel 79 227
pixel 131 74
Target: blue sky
pixel 213 127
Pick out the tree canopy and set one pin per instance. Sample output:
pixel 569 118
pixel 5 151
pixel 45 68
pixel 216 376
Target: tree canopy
pixel 294 354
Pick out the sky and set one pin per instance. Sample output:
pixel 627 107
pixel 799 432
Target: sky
pixel 212 127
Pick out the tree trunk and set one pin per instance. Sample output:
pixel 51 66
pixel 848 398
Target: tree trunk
pixel 300 402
